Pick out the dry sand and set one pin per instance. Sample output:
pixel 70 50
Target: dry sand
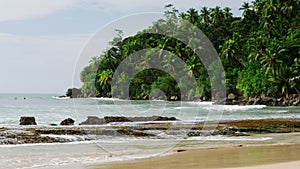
pixel 254 157
pixel 287 165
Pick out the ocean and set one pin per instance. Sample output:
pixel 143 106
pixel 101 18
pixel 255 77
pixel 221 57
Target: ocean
pixel 49 110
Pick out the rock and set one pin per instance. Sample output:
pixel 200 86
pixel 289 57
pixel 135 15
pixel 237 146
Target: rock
pixel 174 98
pixel 231 96
pixel 93 120
pixel 74 93
pixel 295 96
pixel 296 102
pixel 109 119
pixel 27 121
pixel 67 122
pixel 160 118
pixel 257 101
pixel 204 98
pixel 269 101
pixel 152 118
pixel 146 97
pixel 133 133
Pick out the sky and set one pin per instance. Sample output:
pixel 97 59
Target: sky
pixel 41 40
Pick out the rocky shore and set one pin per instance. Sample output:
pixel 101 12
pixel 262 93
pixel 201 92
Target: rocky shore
pixel 291 100
pixel 62 134
pixel 231 99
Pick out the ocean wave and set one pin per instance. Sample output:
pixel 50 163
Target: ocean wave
pixel 105 98
pixel 45 144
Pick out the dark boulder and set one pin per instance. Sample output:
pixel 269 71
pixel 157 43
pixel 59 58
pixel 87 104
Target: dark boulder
pixel 74 93
pixel 27 121
pixel 67 122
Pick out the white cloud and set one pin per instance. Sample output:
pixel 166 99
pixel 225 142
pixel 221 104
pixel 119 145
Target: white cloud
pixel 46 63
pixel 38 63
pixel 27 9
pixel 3 35
pixel 157 5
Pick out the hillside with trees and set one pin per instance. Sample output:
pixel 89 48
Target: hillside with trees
pixel 260 53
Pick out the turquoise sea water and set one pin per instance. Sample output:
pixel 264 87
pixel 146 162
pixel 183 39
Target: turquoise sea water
pixel 48 110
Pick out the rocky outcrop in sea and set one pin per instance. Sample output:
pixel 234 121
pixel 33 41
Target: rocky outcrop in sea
pixel 27 121
pixel 158 130
pixel 93 120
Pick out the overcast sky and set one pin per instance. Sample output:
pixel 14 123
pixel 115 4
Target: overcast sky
pixel 40 40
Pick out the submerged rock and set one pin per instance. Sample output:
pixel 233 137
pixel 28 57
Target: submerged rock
pixel 27 121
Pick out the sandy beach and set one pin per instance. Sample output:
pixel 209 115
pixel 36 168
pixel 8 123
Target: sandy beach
pixel 288 165
pixel 278 155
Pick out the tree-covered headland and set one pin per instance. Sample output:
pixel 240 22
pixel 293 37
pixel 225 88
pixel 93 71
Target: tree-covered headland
pixel 260 53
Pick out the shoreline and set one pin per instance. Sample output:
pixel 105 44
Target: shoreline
pixel 234 143
pixel 231 98
pixel 258 156
pixel 51 134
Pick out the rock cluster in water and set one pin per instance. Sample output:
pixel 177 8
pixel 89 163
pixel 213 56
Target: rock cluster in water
pixel 93 120
pixel 235 99
pixel 19 136
pixel 60 134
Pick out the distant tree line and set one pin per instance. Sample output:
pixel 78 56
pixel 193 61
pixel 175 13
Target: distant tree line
pixel 260 52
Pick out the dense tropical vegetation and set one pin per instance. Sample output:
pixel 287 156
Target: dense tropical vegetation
pixel 260 52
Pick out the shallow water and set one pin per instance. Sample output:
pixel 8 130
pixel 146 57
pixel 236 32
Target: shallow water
pixel 107 150
pixel 48 110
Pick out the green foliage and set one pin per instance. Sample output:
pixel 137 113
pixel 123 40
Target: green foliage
pixel 252 80
pixel 260 52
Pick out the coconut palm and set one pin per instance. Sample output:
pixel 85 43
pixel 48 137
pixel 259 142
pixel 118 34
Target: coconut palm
pixel 205 16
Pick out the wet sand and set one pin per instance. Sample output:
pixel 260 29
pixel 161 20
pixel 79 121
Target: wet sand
pixel 246 157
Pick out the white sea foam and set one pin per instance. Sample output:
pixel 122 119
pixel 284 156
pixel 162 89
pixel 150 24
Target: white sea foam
pixel 211 105
pixel 61 97
pixel 45 144
pixel 105 98
pixel 60 155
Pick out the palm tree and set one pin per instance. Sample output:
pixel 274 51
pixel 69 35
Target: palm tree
pixel 105 77
pixel 204 16
pixel 216 15
pixel 192 15
pixel 227 13
pixel 231 51
pixel 271 58
pixel 182 15
pixel 245 8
